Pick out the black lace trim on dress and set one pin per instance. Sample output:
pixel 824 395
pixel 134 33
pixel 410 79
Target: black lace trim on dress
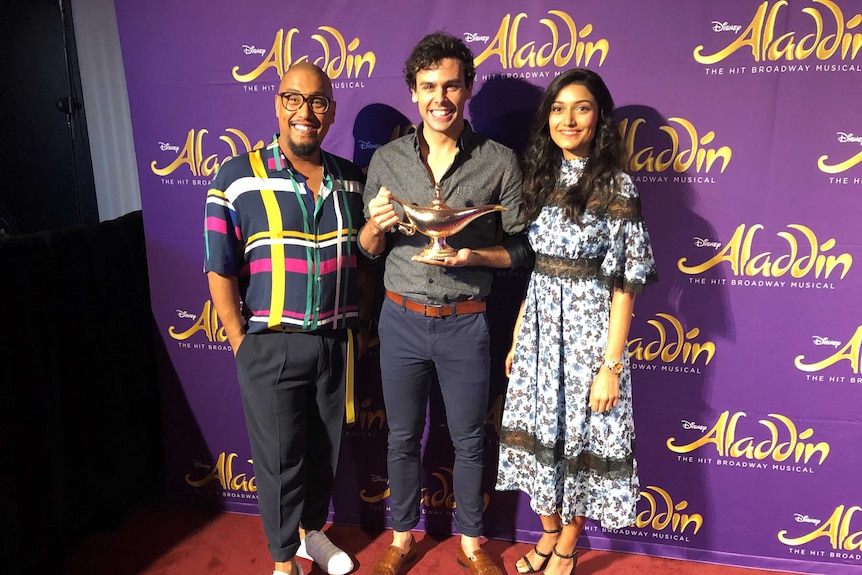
pixel 586 268
pixel 619 208
pixel 610 467
pixel 620 283
pixel 581 268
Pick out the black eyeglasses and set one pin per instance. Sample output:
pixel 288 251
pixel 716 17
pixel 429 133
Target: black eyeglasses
pixel 293 102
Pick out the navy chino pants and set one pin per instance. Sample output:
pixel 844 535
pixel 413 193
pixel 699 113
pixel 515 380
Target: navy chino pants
pixel 412 348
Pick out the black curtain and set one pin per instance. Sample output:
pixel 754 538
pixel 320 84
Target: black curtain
pixel 80 423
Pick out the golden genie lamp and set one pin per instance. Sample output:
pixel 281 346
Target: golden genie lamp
pixel 438 221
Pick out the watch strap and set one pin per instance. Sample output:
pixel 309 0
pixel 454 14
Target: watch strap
pixel 616 367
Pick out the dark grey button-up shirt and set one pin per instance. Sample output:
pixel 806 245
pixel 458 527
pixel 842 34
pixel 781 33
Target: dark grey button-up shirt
pixel 484 172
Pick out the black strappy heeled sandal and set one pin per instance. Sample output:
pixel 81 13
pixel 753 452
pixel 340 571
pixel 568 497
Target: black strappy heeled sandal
pixel 545 556
pixel 572 555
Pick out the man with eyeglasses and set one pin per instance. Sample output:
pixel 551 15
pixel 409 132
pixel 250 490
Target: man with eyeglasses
pixel 290 291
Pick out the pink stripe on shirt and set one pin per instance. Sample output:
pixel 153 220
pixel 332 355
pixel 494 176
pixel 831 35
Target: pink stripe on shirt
pixel 216 225
pixel 296 265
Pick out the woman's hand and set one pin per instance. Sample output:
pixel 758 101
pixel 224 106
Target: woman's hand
pixel 605 391
pixel 510 357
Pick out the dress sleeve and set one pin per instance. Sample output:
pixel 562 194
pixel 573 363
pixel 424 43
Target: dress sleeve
pixel 628 264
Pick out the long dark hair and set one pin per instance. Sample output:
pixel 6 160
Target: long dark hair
pixel 543 157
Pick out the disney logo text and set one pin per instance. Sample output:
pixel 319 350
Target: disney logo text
pixel 246 49
pixel 805 519
pixel 693 425
pixel 725 27
pixel 474 37
pixel 185 314
pixel 704 243
pixel 820 340
pixel 844 138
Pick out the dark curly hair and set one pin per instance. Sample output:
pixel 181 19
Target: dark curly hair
pixel 432 49
pixel 543 157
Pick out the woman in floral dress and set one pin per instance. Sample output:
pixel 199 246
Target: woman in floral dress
pixel 568 437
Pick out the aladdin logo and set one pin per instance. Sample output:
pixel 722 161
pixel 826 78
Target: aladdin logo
pixel 222 471
pixel 837 530
pixel 738 252
pixel 339 57
pixel 367 497
pixel 760 36
pixel 852 351
pixel 192 153
pixel 723 437
pixel 560 50
pixel 725 27
pixel 443 498
pixel 675 157
pixel 663 513
pixel 208 324
pixel 439 501
pixel 843 138
pixel 671 344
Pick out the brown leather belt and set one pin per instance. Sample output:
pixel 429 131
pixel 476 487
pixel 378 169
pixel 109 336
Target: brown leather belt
pixel 437 310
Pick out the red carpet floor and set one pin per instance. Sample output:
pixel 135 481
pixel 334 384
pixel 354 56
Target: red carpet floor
pixel 173 541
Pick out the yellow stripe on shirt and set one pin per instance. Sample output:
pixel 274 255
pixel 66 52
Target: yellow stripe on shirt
pixel 273 218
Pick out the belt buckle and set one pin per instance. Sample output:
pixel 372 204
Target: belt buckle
pixel 438 310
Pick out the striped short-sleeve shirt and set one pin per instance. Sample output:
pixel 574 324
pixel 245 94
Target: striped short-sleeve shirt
pixel 295 258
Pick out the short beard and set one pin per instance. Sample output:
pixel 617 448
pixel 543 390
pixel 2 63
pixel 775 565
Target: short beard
pixel 303 150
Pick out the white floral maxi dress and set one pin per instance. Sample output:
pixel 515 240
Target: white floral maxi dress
pixel 552 446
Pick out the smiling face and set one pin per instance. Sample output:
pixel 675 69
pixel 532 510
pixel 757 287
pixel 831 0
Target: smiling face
pixel 441 94
pixel 302 131
pixel 572 120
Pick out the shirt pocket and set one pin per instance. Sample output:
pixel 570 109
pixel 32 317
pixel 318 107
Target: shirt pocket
pixel 472 193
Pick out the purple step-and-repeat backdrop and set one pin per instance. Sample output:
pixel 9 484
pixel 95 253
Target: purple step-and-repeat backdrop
pixel 744 127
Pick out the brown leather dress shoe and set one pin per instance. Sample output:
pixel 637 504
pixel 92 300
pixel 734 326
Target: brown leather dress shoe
pixel 480 563
pixel 393 559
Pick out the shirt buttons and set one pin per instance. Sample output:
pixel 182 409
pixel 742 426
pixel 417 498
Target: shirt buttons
pixel 430 280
